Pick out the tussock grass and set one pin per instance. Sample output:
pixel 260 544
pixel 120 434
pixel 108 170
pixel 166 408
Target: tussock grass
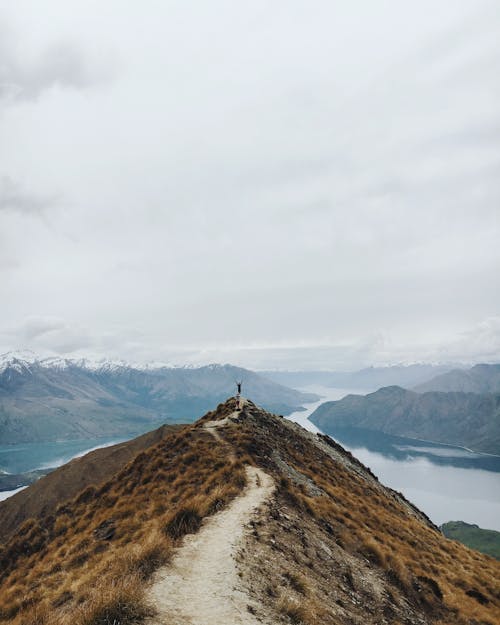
pixel 298 582
pixel 297 611
pixel 187 520
pixel 87 564
pixel 376 525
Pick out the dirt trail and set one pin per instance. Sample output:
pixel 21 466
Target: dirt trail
pixel 201 585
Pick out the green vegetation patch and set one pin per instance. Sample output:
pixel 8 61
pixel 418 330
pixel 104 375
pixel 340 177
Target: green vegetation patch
pixel 485 541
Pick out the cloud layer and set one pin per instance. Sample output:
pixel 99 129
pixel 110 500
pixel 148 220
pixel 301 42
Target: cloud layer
pixel 314 184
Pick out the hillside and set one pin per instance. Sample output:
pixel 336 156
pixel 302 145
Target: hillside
pixel 478 379
pixel 46 400
pixel 240 518
pixel 463 419
pixel 485 541
pixel 67 481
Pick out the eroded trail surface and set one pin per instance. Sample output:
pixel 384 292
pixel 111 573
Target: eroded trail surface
pixel 201 585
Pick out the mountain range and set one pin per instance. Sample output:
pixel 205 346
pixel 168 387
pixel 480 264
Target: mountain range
pixel 61 399
pixel 458 418
pixel 370 378
pixel 239 518
pixel 479 379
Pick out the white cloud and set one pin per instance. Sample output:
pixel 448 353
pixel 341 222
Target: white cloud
pixel 25 76
pixel 255 175
pixel 14 198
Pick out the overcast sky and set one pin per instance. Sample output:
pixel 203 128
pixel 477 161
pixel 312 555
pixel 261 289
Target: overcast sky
pixel 270 183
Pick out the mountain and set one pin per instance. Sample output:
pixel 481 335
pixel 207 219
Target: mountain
pixel 240 518
pixel 464 419
pixel 485 541
pixel 57 399
pixel 370 378
pixel 478 379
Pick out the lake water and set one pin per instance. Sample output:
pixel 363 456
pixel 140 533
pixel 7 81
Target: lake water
pixel 29 456
pixel 8 493
pixel 448 483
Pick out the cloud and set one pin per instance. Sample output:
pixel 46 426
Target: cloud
pixel 61 64
pixel 47 335
pixel 35 327
pixel 322 186
pixel 14 198
pixel 481 343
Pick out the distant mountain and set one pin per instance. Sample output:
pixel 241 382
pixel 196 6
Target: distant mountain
pixel 57 399
pixel 464 419
pixel 300 379
pixel 485 541
pixel 370 378
pixel 479 379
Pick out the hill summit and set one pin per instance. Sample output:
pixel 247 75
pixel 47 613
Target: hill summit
pixel 242 517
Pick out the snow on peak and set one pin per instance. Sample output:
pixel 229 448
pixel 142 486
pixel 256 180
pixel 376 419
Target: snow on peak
pixel 24 360
pixel 19 360
pixel 56 362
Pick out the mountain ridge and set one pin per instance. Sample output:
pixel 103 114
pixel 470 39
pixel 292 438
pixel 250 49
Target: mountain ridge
pixel 480 379
pixel 329 545
pixel 369 378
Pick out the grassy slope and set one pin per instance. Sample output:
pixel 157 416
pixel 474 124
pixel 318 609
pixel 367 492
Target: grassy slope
pixel 67 481
pixel 485 541
pixel 88 562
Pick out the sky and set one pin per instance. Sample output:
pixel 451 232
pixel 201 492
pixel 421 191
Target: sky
pixel 273 184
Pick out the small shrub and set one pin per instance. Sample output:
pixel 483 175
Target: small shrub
pixel 373 552
pixel 186 521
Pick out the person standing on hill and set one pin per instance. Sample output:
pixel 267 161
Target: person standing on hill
pixel 238 395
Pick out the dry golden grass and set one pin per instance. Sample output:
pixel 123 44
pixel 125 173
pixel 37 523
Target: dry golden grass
pixel 297 612
pixel 87 563
pixel 436 574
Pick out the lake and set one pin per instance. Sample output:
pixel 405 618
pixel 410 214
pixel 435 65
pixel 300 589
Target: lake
pixel 28 456
pixel 448 483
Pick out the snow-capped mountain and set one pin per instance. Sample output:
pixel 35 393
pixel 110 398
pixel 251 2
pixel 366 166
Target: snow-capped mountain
pixel 53 398
pixel 26 357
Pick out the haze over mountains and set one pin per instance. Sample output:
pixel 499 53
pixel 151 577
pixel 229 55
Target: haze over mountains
pixel 478 379
pixel 370 378
pixel 55 399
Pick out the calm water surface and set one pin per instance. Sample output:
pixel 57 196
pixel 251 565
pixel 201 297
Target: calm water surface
pixel 426 473
pixel 28 456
